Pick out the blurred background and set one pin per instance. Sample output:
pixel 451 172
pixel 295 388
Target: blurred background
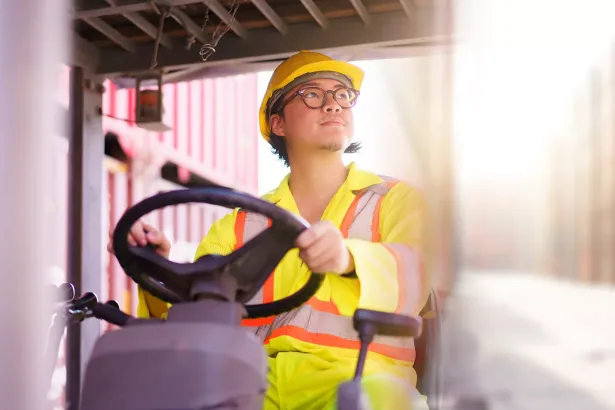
pixel 507 122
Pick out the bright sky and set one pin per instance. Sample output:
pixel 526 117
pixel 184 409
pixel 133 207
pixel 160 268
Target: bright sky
pixel 516 75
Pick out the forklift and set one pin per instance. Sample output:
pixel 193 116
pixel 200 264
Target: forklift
pixel 200 357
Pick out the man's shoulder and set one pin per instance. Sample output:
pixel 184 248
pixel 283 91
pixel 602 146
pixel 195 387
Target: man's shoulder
pixel 394 185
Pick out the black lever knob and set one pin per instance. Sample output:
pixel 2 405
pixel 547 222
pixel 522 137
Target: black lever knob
pixel 112 303
pixel 84 302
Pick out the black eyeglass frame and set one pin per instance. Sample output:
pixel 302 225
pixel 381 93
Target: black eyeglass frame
pixel 300 92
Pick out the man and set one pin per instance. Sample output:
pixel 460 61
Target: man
pixel 366 233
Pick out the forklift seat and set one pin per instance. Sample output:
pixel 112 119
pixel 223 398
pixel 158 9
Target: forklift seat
pixel 428 362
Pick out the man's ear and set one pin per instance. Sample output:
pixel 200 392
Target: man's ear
pixel 277 125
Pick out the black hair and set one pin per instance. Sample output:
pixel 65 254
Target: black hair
pixel 278 145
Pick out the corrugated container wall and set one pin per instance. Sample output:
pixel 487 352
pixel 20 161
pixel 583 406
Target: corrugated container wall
pixel 214 124
pixel 213 131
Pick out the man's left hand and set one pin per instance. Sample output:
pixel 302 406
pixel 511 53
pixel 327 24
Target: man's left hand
pixel 322 248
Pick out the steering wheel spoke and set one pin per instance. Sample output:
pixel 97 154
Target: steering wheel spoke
pixel 261 254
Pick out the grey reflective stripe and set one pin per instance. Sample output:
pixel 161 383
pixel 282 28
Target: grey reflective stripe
pixel 315 321
pixel 253 225
pixel 361 226
pixel 410 278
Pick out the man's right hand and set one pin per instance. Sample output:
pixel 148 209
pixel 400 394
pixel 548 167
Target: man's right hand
pixel 142 234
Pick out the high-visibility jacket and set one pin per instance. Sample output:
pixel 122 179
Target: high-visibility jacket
pixel 383 221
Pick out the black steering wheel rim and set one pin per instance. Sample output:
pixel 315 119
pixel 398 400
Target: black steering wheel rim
pixel 171 281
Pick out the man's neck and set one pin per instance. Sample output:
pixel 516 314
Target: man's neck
pixel 314 181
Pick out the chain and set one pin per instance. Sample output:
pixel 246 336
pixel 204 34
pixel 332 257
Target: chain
pixel 163 15
pixel 192 38
pixel 209 48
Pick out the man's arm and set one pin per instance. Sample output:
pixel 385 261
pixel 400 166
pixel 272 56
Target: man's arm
pixel 219 240
pixel 392 273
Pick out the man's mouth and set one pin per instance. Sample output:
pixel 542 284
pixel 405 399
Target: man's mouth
pixel 335 122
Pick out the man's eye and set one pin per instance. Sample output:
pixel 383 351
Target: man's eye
pixel 311 95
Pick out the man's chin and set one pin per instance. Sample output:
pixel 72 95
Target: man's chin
pixel 333 146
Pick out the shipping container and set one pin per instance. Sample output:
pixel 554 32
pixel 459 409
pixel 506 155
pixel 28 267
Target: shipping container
pixel 582 182
pixel 214 134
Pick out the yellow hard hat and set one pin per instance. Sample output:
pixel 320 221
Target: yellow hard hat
pixel 305 62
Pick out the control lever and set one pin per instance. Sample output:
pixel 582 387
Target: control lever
pixel 74 311
pixel 110 312
pixel 370 323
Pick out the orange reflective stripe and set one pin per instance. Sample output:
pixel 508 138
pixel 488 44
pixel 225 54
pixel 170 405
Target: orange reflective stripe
pixel 350 214
pixel 263 321
pixel 322 306
pixel 376 221
pixel 323 339
pixel 240 224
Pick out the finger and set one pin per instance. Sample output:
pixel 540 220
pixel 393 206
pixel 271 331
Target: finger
pixel 310 235
pixel 147 227
pixel 323 266
pixel 322 247
pixel 138 234
pixel 305 238
pixel 131 240
pixel 155 237
pixel 318 262
pixel 110 248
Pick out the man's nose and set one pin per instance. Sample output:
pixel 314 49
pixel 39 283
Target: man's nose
pixel 331 105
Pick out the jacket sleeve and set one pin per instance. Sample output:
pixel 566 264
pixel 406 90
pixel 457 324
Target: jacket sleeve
pixel 392 273
pixel 220 240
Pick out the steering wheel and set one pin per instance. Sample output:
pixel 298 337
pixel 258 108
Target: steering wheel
pixel 249 265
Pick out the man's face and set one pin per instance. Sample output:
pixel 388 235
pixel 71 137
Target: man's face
pixel 327 128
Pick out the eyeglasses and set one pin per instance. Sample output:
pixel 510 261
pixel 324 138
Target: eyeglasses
pixel 315 97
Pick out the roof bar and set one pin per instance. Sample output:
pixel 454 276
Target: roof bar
pixel 408 7
pixel 111 33
pixel 147 27
pixel 188 24
pixel 271 15
pixel 132 6
pixel 313 9
pixel 361 11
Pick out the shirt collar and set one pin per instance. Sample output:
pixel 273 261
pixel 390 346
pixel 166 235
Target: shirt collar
pixel 357 180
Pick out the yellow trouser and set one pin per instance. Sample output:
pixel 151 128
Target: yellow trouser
pixel 300 381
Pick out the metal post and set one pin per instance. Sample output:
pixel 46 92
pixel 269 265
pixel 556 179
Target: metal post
pixel 32 39
pixel 75 230
pixel 86 153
